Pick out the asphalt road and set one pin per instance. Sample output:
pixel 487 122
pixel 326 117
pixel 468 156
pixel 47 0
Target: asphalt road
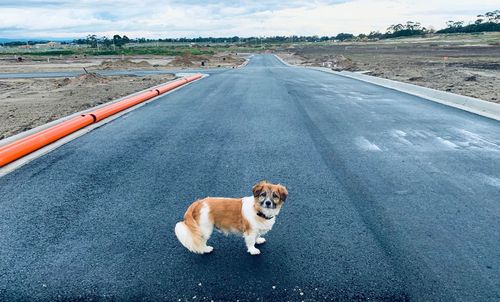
pixel 392 197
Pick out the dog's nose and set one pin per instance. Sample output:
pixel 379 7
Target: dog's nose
pixel 268 203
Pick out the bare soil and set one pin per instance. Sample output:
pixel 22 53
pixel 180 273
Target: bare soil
pixel 30 64
pixel 471 70
pixel 28 103
pixel 125 64
pixel 219 60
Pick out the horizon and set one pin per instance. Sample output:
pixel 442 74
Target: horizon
pixel 65 20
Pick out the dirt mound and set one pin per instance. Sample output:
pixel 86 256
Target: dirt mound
pixel 62 83
pixel 124 64
pixel 186 60
pixel 83 79
pixel 181 61
pixel 189 60
pixel 339 63
pixel 229 59
pixel 89 78
pixel 335 62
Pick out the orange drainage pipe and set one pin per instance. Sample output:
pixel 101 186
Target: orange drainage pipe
pixel 18 149
pixel 25 146
pixel 109 110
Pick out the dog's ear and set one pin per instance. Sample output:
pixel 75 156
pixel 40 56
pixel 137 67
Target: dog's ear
pixel 283 192
pixel 258 187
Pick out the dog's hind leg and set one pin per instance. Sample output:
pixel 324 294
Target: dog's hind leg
pixel 206 228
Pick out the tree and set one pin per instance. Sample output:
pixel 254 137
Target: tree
pixel 344 36
pixel 92 41
pixel 375 35
pixel 106 41
pixel 410 28
pixel 117 40
pixel 493 17
pixel 394 28
pixel 410 25
pixel 490 21
pixel 453 26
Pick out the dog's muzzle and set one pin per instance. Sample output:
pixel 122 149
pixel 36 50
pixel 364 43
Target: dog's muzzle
pixel 267 204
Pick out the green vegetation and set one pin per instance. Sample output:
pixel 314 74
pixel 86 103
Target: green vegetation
pixel 122 45
pixel 490 21
pixel 58 52
pixel 74 51
pixel 344 36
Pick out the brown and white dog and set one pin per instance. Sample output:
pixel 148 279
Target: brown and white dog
pixel 251 216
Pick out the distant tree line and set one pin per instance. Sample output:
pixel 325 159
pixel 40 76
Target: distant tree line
pixel 93 41
pixel 489 21
pixel 20 43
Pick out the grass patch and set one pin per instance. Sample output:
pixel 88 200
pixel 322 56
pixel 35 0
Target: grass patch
pixel 128 51
pixel 61 52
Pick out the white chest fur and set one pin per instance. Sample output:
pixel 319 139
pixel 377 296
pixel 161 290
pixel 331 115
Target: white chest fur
pixel 258 225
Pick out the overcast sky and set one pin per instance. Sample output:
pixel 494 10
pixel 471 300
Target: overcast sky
pixel 193 18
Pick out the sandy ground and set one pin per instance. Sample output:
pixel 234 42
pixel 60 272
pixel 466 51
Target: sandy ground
pixel 28 103
pixel 207 61
pixel 36 64
pixel 9 64
pixel 471 70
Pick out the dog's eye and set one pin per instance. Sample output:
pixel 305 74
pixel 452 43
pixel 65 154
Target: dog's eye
pixel 275 196
pixel 263 194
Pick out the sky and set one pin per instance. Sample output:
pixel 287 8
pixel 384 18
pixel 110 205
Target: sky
pixel 220 18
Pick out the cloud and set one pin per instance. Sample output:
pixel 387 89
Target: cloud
pixel 191 18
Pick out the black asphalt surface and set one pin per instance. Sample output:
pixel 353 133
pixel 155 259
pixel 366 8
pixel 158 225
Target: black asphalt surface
pixel 392 197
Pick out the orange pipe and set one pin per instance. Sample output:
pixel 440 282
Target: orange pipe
pixel 22 140
pixel 170 86
pixel 109 110
pixel 11 152
pixel 24 146
pixel 193 77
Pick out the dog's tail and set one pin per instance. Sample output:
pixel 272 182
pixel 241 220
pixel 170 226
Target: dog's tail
pixel 188 231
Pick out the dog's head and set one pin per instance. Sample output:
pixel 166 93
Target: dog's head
pixel 269 198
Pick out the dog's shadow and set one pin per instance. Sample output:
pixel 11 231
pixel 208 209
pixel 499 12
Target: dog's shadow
pixel 230 255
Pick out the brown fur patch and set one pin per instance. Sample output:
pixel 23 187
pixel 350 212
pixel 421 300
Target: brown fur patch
pixel 226 215
pixel 191 219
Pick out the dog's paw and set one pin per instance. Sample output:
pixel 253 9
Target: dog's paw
pixel 260 240
pixel 254 251
pixel 208 249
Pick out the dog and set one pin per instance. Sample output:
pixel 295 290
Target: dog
pixel 251 217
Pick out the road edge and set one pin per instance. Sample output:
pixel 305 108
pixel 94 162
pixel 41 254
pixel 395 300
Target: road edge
pixel 44 150
pixel 466 103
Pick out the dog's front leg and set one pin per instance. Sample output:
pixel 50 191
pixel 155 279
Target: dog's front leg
pixel 250 242
pixel 260 240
